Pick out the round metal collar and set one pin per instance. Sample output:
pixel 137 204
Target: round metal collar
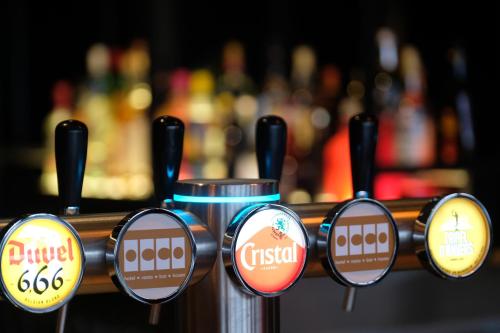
pixel 226 187
pixel 358 242
pixel 151 255
pixel 270 270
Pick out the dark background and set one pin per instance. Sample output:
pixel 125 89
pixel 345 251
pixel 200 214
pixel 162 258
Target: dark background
pixel 43 41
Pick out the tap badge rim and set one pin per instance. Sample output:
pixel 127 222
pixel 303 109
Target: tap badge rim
pixel 325 242
pixel 426 217
pixel 7 232
pixel 115 243
pixel 231 239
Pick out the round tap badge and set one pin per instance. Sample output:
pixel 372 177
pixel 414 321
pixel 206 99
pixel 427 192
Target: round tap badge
pixel 362 242
pixel 268 249
pixel 458 235
pixel 152 255
pixel 42 262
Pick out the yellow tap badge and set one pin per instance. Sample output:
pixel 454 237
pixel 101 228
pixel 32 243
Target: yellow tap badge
pixel 458 236
pixel 42 263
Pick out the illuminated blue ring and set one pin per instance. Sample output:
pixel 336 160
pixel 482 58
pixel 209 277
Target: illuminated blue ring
pixel 205 199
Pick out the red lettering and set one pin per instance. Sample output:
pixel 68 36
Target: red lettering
pixel 29 254
pixel 46 259
pixel 15 258
pixel 61 251
pixel 18 253
pixel 37 256
pixel 70 249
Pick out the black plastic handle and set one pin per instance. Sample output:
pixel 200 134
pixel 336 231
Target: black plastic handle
pixel 168 137
pixel 363 132
pixel 270 143
pixel 71 154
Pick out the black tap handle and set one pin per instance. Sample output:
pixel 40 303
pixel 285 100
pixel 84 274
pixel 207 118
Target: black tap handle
pixel 168 136
pixel 363 132
pixel 270 142
pixel 71 154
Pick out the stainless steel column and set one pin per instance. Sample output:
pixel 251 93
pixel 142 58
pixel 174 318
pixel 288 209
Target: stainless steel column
pixel 216 304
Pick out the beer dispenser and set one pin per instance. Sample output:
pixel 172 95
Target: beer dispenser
pixel 229 243
pixel 153 254
pixel 71 154
pixel 358 240
pixel 42 256
pixel 250 226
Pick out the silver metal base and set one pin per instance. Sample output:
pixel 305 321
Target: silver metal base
pixel 216 304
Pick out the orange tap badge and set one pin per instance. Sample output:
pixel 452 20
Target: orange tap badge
pixel 269 250
pixel 42 262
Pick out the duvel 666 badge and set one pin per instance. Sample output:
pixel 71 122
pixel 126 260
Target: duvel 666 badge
pixel 41 264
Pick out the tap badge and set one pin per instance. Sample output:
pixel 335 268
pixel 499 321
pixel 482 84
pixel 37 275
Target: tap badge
pixel 154 256
pixel 362 243
pixel 42 263
pixel 458 236
pixel 270 250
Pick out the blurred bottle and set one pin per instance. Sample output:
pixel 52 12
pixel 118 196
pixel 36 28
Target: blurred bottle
pixel 448 129
pixel 177 100
pixel 237 118
pixel 327 96
pixel 337 184
pixel 99 62
pixel 95 109
pixel 456 130
pixel 275 91
pixel 416 144
pixel 245 162
pixel 299 117
pixel 117 79
pixel 234 78
pixel 62 100
pixel 275 99
pixel 325 121
pixel 134 121
pixel 387 95
pixel 302 83
pixel 205 141
pixel 303 69
pixel 176 104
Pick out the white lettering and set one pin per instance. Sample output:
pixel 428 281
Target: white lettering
pixel 244 255
pixel 269 256
pixel 456 244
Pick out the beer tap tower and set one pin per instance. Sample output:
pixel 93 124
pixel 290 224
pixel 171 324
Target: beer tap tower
pixel 217 304
pixel 71 154
pixel 358 239
pixel 168 142
pixel 228 245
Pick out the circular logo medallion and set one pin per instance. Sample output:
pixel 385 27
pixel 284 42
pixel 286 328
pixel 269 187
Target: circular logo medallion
pixel 458 236
pixel 363 242
pixel 270 250
pixel 154 256
pixel 42 262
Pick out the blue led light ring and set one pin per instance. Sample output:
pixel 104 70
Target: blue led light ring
pixel 246 199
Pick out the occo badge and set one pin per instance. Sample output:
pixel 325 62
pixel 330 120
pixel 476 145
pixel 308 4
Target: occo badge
pixel 357 242
pixel 152 254
pixel 453 235
pixel 265 249
pixel 42 262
